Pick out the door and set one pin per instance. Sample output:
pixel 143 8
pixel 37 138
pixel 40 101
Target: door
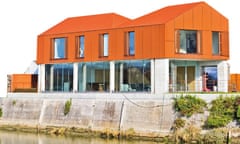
pixel 186 78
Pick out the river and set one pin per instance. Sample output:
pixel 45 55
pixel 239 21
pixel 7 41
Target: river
pixel 30 138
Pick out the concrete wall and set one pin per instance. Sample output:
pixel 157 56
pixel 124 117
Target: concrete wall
pixel 147 117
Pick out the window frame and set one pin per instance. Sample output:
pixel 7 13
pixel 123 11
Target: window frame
pixel 78 46
pixel 53 49
pixel 103 45
pixel 178 42
pixel 219 43
pixel 127 47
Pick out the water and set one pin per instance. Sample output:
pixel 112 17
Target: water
pixel 29 138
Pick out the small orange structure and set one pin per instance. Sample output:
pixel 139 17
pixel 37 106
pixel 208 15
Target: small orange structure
pixel 22 83
pixel 234 83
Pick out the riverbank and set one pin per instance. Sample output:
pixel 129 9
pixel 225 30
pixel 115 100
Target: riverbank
pixel 131 117
pixel 107 117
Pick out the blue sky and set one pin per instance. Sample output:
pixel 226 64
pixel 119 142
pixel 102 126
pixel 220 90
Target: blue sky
pixel 23 20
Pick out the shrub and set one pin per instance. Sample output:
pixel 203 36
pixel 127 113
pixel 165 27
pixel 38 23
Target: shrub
pixel 215 137
pixel 215 121
pixel 188 105
pixel 1 112
pixel 178 123
pixel 221 112
pixel 67 106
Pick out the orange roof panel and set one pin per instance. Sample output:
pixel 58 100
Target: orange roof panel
pixel 161 16
pixel 87 23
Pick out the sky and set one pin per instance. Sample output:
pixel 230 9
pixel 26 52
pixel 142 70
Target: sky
pixel 21 21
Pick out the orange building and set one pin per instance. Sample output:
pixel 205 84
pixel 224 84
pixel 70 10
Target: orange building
pixel 177 48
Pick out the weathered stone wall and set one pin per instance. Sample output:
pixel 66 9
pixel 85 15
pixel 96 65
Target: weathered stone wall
pixel 145 117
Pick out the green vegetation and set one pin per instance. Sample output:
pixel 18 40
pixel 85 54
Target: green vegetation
pixel 1 112
pixel 179 123
pixel 222 112
pixel 14 102
pixel 67 106
pixel 188 105
pixel 216 136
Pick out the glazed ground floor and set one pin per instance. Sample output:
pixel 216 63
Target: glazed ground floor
pixel 148 75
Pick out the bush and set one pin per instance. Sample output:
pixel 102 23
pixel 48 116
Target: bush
pixel 67 106
pixel 215 137
pixel 1 112
pixel 215 121
pixel 221 112
pixel 178 123
pixel 188 105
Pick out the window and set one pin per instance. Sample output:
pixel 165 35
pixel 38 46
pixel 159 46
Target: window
pixel 216 36
pixel 130 44
pixel 103 48
pixel 59 45
pixel 134 75
pixel 80 46
pixel 188 41
pixel 59 77
pixel 93 76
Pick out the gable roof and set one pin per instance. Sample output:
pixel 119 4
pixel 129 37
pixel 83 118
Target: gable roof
pixel 161 16
pixel 87 23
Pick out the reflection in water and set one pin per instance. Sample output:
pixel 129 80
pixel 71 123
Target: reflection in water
pixel 29 138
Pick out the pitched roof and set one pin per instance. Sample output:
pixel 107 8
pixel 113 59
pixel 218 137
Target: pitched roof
pixel 87 23
pixel 161 16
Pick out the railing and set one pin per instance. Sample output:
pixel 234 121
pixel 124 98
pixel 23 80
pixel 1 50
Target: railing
pixel 200 86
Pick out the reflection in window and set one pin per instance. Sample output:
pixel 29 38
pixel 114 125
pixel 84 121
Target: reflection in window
pixel 81 45
pixel 133 75
pixel 59 48
pixel 103 48
pixel 211 77
pixel 93 76
pixel 216 43
pixel 130 43
pixel 187 41
pixel 59 77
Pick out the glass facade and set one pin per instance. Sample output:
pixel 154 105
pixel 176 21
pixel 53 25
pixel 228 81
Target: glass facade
pixel 133 75
pixel 59 48
pixel 93 76
pixel 215 43
pixel 59 77
pixel 130 76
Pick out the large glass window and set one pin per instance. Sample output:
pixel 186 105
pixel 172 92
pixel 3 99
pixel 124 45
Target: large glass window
pixel 80 46
pixel 188 41
pixel 103 48
pixel 93 76
pixel 216 43
pixel 133 75
pixel 130 43
pixel 59 77
pixel 59 48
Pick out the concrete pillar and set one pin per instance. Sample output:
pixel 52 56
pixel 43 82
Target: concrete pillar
pixel 173 74
pixel 223 76
pixel 112 76
pixel 41 78
pixel 84 77
pixel 51 77
pixel 161 76
pixel 75 77
pixel 121 77
pixel 153 76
